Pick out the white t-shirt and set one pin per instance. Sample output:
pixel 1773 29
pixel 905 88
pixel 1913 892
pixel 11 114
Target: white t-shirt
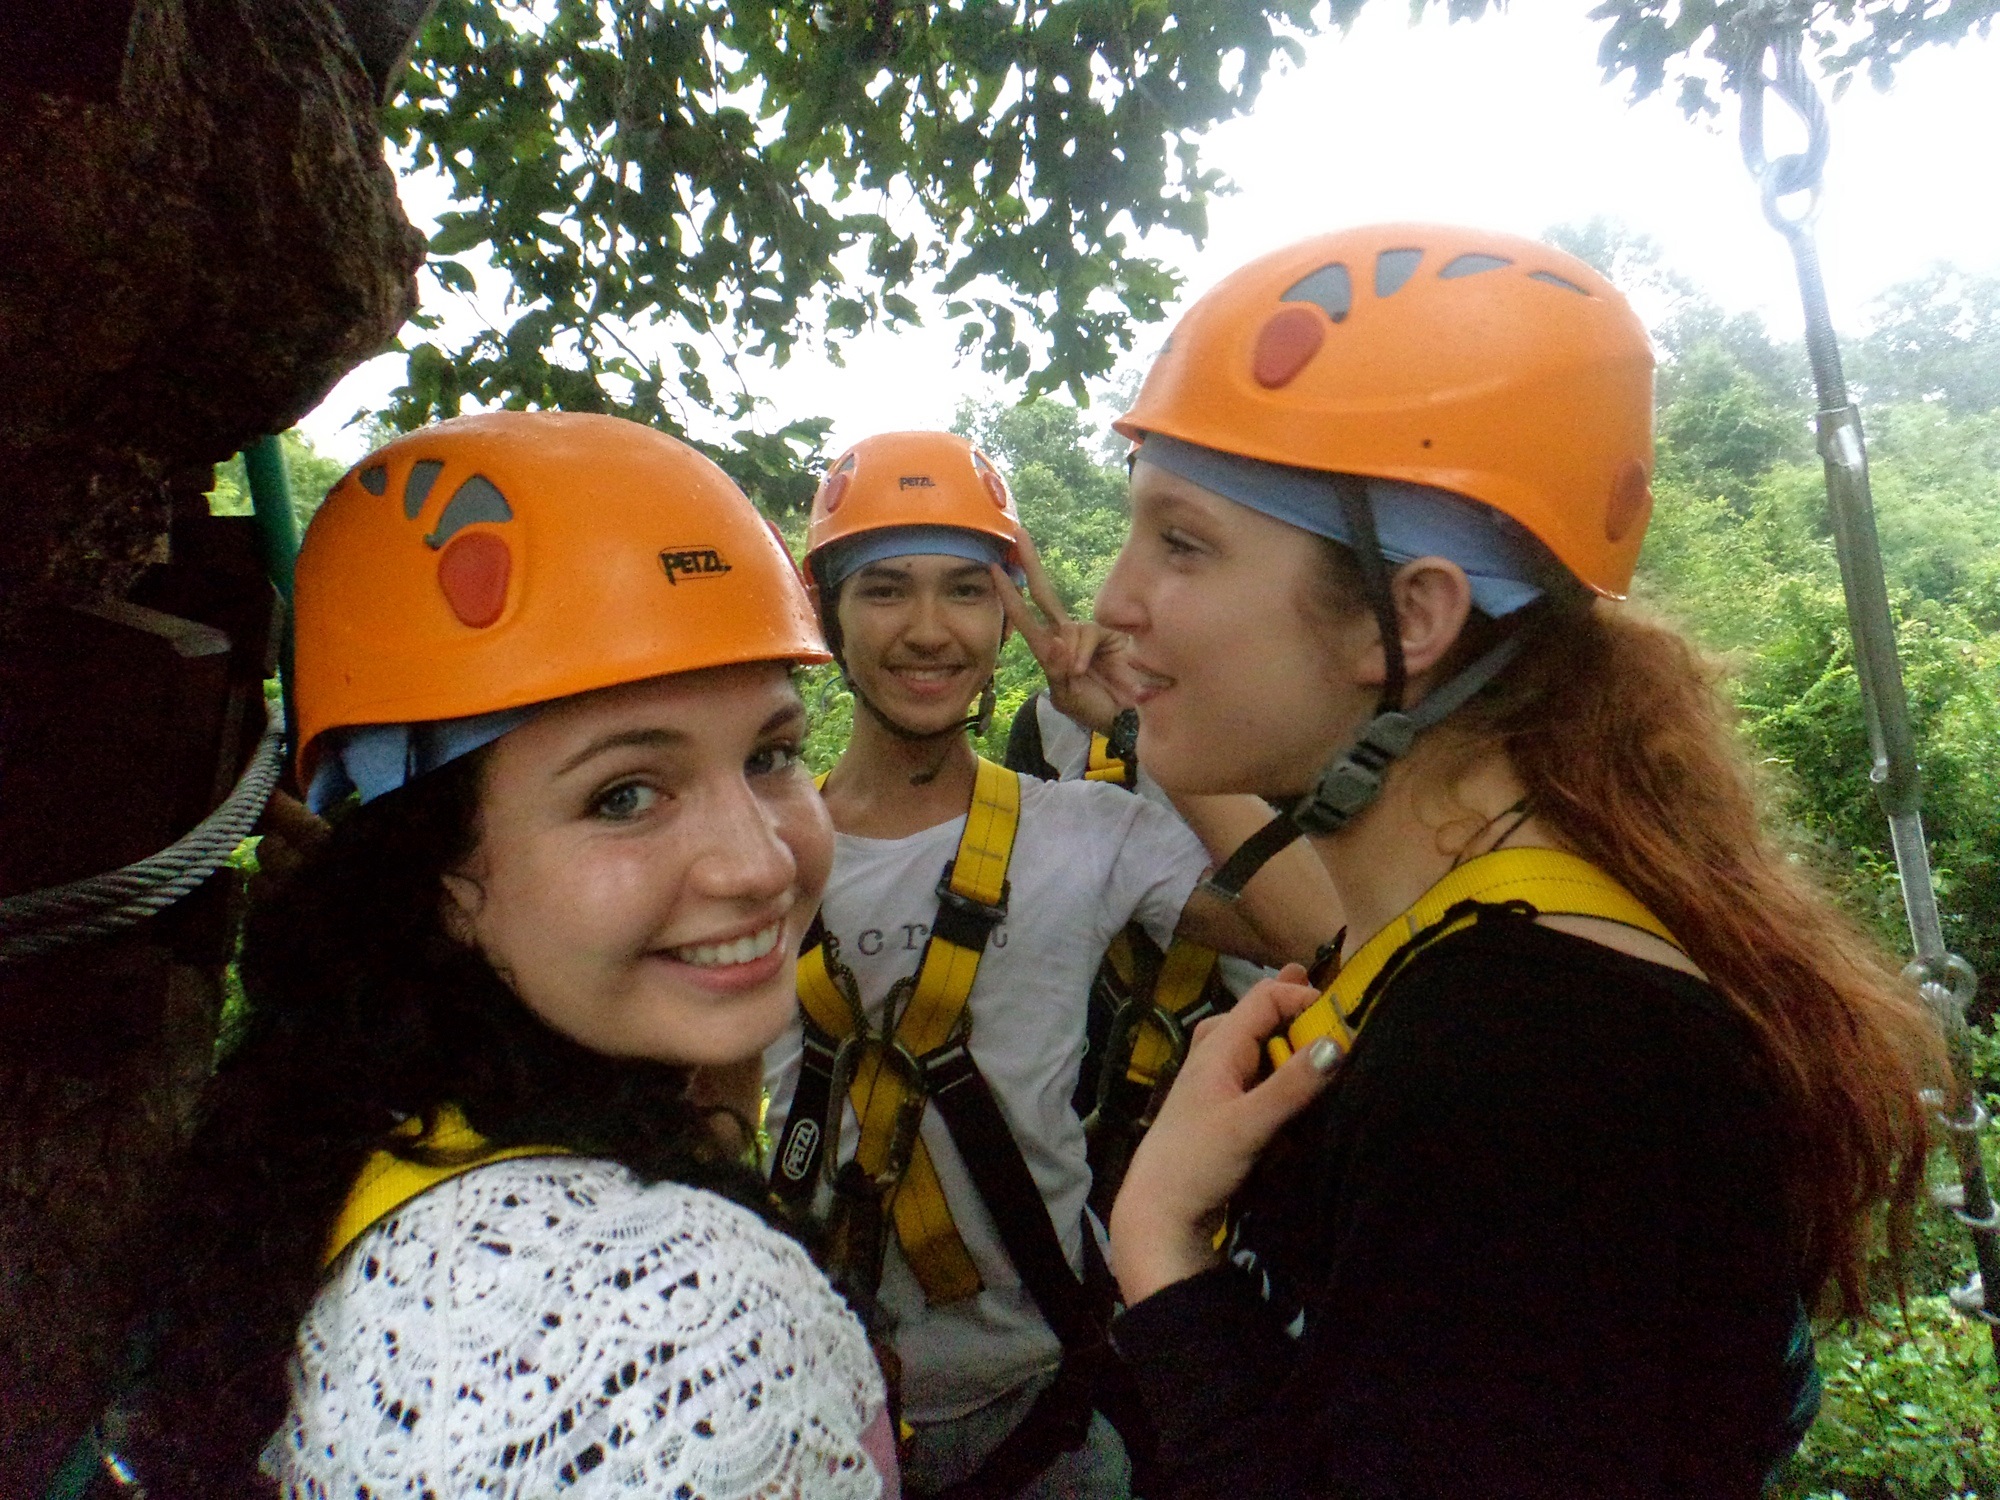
pixel 1088 858
pixel 1066 747
pixel 552 1325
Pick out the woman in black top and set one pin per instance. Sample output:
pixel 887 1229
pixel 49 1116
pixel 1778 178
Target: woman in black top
pixel 1540 1202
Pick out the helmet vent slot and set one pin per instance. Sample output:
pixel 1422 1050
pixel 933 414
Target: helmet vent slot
pixel 374 479
pixel 1393 268
pixel 475 500
pixel 1472 265
pixel 1330 289
pixel 417 488
pixel 1554 280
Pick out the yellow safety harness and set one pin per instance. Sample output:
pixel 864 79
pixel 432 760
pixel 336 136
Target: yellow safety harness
pixel 1146 1003
pixel 1105 764
pixel 1543 882
pixel 891 1079
pixel 925 1061
pixel 388 1181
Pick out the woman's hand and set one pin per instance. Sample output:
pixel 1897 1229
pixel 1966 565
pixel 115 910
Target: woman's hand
pixel 1083 661
pixel 1216 1121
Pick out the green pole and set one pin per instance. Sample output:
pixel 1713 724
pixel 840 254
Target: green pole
pixel 277 529
pixel 271 505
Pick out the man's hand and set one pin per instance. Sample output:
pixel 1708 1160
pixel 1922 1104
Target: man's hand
pixel 1083 661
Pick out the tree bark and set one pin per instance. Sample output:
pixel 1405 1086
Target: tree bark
pixel 198 237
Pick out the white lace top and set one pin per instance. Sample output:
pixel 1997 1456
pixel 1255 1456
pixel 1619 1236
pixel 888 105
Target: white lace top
pixel 550 1326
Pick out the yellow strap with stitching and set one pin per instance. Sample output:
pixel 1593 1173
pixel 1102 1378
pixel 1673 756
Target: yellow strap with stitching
pixel 388 1181
pixel 1184 970
pixel 880 1090
pixel 1182 977
pixel 1556 884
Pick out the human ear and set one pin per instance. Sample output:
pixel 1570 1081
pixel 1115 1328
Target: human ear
pixel 459 901
pixel 1433 601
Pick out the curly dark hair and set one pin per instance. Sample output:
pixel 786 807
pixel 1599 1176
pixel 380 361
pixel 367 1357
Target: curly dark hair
pixel 365 1013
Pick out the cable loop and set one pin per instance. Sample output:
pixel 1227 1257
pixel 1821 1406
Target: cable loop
pixel 1976 1116
pixel 1798 172
pixel 1949 981
pixel 38 922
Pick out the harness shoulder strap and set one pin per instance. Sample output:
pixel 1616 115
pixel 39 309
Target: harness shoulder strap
pixel 1552 882
pixel 388 1181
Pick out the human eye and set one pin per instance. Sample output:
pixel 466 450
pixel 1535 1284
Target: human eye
pixel 772 759
pixel 1178 543
pixel 624 801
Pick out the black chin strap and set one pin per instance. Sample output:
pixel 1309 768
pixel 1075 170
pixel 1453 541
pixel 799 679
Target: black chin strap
pixel 1352 779
pixel 1359 514
pixel 978 723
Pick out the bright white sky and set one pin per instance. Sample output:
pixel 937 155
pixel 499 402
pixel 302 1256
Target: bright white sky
pixel 1503 122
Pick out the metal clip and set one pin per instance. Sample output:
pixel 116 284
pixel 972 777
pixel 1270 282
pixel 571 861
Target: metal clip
pixel 1976 1120
pixel 1970 1301
pixel 1950 1197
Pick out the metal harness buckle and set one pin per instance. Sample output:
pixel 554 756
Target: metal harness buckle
pixel 962 921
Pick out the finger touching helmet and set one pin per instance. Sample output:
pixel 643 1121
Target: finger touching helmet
pixel 1482 364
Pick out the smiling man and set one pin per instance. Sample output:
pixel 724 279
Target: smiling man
pixel 923 1100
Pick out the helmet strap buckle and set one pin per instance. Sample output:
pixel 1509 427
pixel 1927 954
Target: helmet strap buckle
pixel 1352 780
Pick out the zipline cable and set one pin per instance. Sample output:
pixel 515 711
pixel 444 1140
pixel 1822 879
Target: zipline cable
pixel 1946 980
pixel 39 922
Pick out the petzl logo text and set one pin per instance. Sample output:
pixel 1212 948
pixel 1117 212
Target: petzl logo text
pixel 693 562
pixel 916 482
pixel 799 1150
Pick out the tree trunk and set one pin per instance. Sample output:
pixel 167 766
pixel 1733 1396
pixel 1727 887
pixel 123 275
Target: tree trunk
pixel 198 237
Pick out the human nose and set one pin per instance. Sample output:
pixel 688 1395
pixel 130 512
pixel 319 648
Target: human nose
pixel 743 855
pixel 1119 605
pixel 926 624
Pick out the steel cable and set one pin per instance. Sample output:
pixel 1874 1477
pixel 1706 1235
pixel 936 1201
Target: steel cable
pixel 1945 980
pixel 44 921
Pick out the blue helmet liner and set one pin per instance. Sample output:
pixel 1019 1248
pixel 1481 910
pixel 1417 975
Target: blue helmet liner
pixel 374 759
pixel 1506 566
pixel 848 556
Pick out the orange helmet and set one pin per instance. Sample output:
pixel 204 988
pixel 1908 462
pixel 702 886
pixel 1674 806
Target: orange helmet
pixel 901 479
pixel 497 561
pixel 1483 364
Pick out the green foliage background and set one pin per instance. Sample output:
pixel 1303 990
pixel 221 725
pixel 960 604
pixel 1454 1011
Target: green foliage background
pixel 662 187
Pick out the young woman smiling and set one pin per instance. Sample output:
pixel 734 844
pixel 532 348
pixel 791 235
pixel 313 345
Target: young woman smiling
pixel 1621 1092
pixel 464 1214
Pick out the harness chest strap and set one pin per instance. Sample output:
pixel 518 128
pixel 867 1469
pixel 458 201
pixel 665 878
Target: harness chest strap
pixel 1552 882
pixel 388 1181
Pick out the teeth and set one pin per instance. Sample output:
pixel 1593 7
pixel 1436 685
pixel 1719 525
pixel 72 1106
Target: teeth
pixel 720 955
